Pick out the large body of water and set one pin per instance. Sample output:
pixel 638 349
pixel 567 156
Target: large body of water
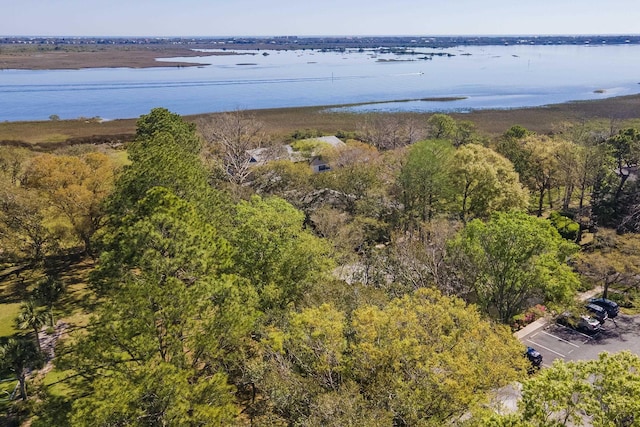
pixel 486 76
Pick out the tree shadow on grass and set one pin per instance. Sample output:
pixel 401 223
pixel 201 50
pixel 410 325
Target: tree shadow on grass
pixel 14 283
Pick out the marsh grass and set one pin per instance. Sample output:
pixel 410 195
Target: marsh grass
pixel 281 122
pixel 59 131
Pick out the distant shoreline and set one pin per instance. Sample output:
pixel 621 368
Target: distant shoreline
pixel 72 53
pixel 110 57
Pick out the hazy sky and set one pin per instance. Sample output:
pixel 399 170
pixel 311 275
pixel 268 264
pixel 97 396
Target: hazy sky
pixel 308 17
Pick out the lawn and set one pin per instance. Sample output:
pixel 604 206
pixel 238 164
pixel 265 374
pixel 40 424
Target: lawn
pixel 6 388
pixel 55 382
pixel 8 314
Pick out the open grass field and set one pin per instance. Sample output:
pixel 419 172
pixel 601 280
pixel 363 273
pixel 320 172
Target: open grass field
pixel 8 313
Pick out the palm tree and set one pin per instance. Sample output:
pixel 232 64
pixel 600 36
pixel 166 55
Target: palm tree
pixel 49 292
pixel 18 356
pixel 31 317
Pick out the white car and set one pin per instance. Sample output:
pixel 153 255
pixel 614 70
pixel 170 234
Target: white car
pixel 581 323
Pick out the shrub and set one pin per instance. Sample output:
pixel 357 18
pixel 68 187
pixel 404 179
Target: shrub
pixel 567 227
pixel 531 315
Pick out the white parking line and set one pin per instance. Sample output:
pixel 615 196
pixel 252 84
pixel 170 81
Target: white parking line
pixel 548 349
pixel 589 337
pixel 563 340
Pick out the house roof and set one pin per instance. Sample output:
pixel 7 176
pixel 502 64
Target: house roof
pixel 260 156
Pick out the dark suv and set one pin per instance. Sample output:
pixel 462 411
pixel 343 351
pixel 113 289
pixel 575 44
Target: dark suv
pixel 534 357
pixel 597 312
pixel 610 306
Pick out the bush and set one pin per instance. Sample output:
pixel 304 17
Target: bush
pixel 531 315
pixel 568 228
pixel 304 134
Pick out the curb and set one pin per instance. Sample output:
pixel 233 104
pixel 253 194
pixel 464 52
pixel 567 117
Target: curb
pixel 543 320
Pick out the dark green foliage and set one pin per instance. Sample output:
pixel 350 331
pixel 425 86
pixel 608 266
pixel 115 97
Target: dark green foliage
pixel 161 120
pixel 17 357
pixel 516 132
pixel 345 135
pixel 424 180
pixel 615 193
pixel 304 134
pixel 31 317
pixel 165 236
pixel 164 154
pixel 173 325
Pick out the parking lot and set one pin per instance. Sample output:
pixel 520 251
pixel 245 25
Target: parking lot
pixel 554 341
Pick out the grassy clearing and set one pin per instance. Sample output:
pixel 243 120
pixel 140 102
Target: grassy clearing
pixel 62 130
pixel 14 289
pixel 6 388
pixel 74 307
pixel 119 157
pixel 8 314
pixel 56 382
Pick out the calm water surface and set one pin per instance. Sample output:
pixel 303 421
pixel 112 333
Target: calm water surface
pixel 487 76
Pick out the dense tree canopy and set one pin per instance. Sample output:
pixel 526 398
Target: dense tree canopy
pixel 421 360
pixel 603 392
pixel 424 180
pixel 166 153
pixel 484 182
pixel 511 258
pixel 23 229
pixel 214 305
pixel 172 323
pixel 275 252
pixel 76 187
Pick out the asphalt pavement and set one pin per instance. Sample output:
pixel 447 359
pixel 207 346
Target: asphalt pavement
pixel 555 341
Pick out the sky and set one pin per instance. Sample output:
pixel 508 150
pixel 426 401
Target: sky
pixel 316 18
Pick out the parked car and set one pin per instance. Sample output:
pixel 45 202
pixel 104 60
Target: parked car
pixel 534 357
pixel 597 312
pixel 611 306
pixel 580 323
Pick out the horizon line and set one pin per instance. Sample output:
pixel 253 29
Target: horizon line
pixel 328 35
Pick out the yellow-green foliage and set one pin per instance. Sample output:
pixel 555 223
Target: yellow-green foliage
pixel 424 358
pixel 310 147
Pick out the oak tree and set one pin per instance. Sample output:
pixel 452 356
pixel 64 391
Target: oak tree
pixel 511 258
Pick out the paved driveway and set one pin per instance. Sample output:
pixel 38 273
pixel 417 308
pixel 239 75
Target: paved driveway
pixel 559 342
